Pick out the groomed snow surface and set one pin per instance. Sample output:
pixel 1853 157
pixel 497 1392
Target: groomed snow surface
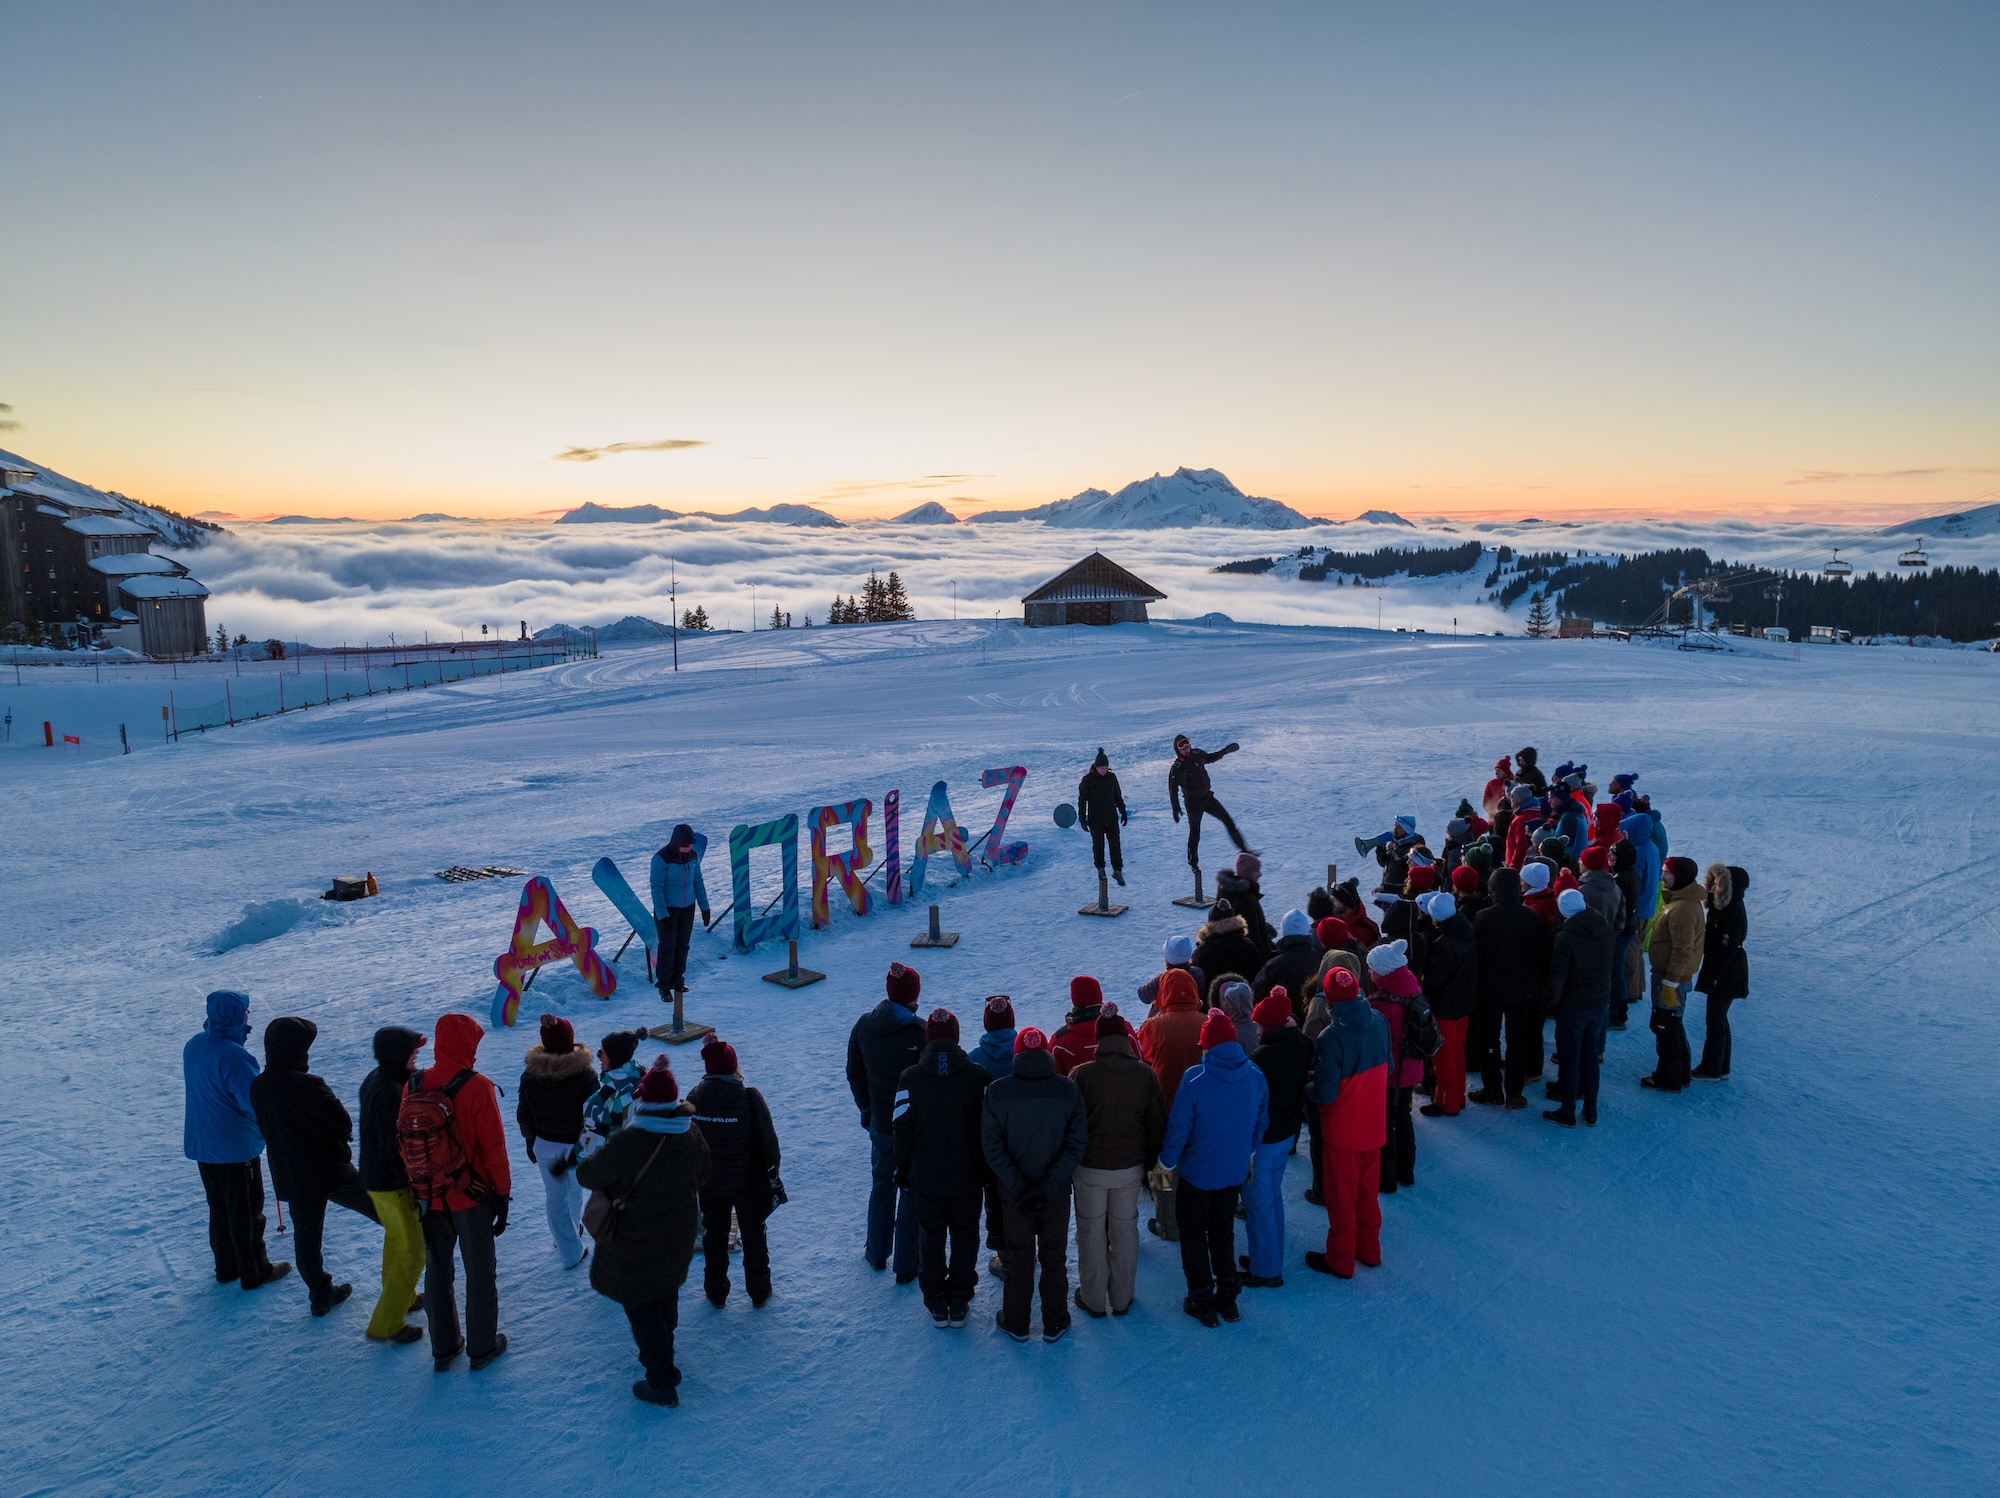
pixel 1781 1284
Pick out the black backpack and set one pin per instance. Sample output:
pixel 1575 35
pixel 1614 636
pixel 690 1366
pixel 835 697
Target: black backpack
pixel 1421 1039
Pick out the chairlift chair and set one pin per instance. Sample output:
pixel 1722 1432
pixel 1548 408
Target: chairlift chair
pixel 1915 556
pixel 1837 568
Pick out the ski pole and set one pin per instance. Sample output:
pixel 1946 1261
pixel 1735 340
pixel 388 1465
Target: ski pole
pixel 279 1203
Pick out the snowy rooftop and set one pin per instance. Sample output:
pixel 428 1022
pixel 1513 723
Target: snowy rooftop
pixel 1095 579
pixel 105 525
pixel 133 563
pixel 162 587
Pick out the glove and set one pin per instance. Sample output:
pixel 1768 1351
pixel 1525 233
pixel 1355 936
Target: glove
pixel 500 1214
pixel 1670 996
pixel 706 920
pixel 531 1153
pixel 778 1196
pixel 1177 817
pixel 1033 1199
pixel 866 1114
pixel 1124 817
pixel 1231 748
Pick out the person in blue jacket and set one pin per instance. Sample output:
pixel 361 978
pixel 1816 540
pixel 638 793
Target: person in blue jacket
pixel 677 891
pixel 220 1135
pixel 1221 1110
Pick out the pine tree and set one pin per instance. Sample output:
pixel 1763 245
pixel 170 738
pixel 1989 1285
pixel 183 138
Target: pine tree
pixel 694 618
pixel 777 617
pixel 872 600
pixel 895 603
pixel 1539 616
pixel 221 640
pixel 837 611
pixel 809 619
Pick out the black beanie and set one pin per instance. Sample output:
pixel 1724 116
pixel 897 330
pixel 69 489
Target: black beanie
pixel 620 1044
pixel 1101 760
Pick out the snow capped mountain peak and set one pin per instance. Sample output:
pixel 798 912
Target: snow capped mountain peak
pixel 930 512
pixel 1187 497
pixel 1381 517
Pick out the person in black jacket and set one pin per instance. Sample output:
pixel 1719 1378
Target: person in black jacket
pixel 1285 1057
pixel 1238 885
pixel 1188 780
pixel 559 1079
pixel 940 1162
pixel 1527 772
pixel 306 1132
pixel 388 1187
pixel 1294 962
pixel 1582 959
pixel 1451 988
pixel 1725 969
pixel 882 1046
pixel 1513 952
pixel 1223 945
pixel 743 1161
pixel 1100 811
pixel 1033 1130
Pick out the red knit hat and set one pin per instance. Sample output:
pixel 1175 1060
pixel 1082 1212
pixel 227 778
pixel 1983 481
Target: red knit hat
pixel 1274 1008
pixel 1030 1039
pixel 903 985
pixel 718 1057
pixel 1332 932
pixel 1217 1029
pixel 1111 1022
pixel 1564 880
pixel 1465 879
pixel 1595 858
pixel 1340 985
pixel 1423 877
pixel 658 1085
pixel 1085 992
pixel 1504 767
pixel 558 1038
pixel 1610 814
pixel 942 1025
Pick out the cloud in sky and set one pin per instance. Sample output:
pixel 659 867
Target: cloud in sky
pixel 1841 476
pixel 592 454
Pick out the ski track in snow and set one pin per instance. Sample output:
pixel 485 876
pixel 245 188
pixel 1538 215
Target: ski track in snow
pixel 1781 1284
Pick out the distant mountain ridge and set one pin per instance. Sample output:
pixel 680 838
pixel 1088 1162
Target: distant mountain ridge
pixel 1183 499
pixel 930 512
pixel 1984 521
pixel 591 513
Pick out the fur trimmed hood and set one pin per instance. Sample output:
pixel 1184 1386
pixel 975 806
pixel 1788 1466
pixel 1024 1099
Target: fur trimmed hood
pixel 540 1064
pixel 1235 923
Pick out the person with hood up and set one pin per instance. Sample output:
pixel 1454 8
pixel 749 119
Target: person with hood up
pixel 617 1080
pixel 1285 1057
pixel 1581 963
pixel 1495 794
pixel 1220 1113
pixel 1223 945
pixel 994 1055
pixel 1238 885
pixel 1178 953
pixel 1292 963
pixel 1350 1083
pixel 1451 988
pixel 743 1160
pixel 677 891
pixel 1569 821
pixel 1033 1134
pixel 1188 780
pixel 306 1134
pixel 1527 772
pixel 1125 1122
pixel 559 1079
pixel 219 1133
pixel 1100 811
pixel 1605 830
pixel 882 1046
pixel 1513 956
pixel 465 1194
pixel 1170 1043
pixel 1725 969
pixel 1232 996
pixel 941 1162
pixel 1395 987
pixel 387 1183
pixel 652 1170
pixel 1073 1044
pixel 1674 949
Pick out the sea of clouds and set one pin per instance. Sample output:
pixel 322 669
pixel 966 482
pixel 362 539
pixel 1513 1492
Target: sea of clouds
pixel 332 582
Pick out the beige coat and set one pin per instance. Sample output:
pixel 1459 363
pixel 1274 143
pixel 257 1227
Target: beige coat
pixel 1674 947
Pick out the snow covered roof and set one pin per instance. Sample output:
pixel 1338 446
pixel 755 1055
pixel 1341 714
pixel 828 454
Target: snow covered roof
pixel 106 525
pixel 70 497
pixel 162 587
pixel 1095 579
pixel 133 563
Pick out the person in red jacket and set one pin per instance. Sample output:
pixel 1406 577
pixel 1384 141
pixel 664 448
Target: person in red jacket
pixel 1497 787
pixel 1395 986
pixel 468 1211
pixel 1170 1043
pixel 1076 1042
pixel 1350 1087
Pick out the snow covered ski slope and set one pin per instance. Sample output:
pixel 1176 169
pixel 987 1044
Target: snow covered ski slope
pixel 1782 1284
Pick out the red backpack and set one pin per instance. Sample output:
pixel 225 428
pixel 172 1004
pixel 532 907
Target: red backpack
pixel 433 1157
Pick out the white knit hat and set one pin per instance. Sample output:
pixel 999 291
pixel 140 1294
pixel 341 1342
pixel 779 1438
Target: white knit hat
pixel 1387 957
pixel 1571 902
pixel 1535 878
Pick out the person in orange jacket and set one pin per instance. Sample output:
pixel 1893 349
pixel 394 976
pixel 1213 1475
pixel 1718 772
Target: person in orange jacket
pixel 1170 1043
pixel 464 1194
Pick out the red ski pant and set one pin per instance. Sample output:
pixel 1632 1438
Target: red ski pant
pixel 1450 1064
pixel 1353 1215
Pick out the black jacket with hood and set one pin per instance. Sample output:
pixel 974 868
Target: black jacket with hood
pixel 381 1100
pixel 938 1100
pixel 1513 947
pixel 305 1127
pixel 1032 1129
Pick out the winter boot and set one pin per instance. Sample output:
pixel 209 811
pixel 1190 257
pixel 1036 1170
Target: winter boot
pixel 1226 1309
pixel 1316 1261
pixel 1491 1096
pixel 1083 1307
pixel 1119 876
pixel 276 1272
pixel 940 1317
pixel 666 1396
pixel 1201 1311
pixel 479 1362
pixel 959 1311
pixel 325 1300
pixel 1000 1320
pixel 1560 1116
